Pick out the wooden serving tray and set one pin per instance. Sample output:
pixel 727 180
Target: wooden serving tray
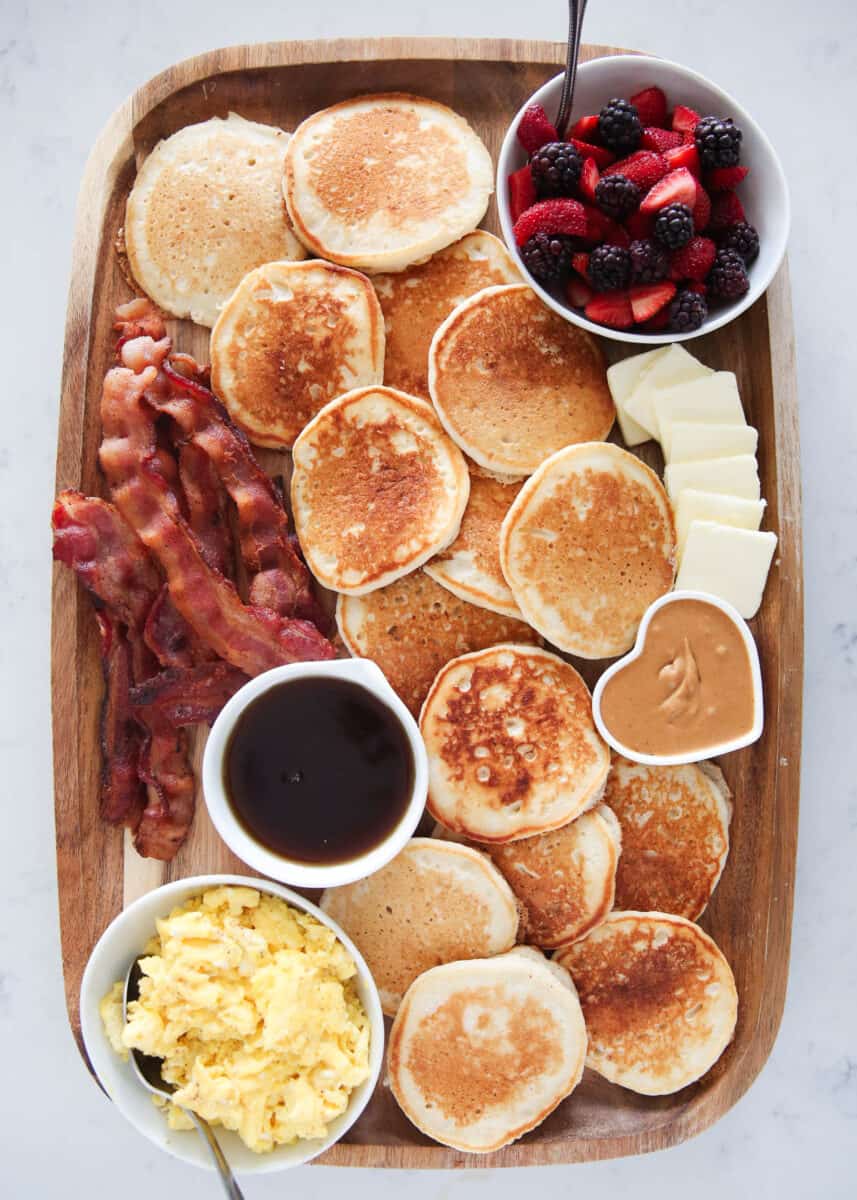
pixel 750 915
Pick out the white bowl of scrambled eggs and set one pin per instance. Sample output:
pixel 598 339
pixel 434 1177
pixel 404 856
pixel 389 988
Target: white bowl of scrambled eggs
pixel 265 1013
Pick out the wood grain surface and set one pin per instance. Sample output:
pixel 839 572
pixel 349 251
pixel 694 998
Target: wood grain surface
pixel 750 914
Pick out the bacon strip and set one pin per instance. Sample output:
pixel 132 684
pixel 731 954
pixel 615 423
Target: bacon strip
pixel 166 819
pixel 205 502
pixel 191 696
pixel 123 794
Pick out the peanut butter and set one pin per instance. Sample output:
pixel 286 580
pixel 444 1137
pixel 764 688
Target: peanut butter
pixel 691 688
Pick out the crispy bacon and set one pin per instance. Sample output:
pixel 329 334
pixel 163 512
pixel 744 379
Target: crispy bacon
pixel 168 635
pixel 123 795
pixel 188 696
pixel 205 502
pixel 139 318
pixel 165 767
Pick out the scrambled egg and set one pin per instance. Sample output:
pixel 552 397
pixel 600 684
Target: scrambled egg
pixel 253 1007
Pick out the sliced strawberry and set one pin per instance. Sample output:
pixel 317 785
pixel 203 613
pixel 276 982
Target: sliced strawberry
pixel 686 156
pixel 589 177
pixel 724 179
pixel 658 322
pixel 697 287
pixel 639 225
pixel 611 308
pixel 603 158
pixel 551 216
pixel 586 129
pixel 601 228
pixel 578 292
pixel 534 128
pixel 726 210
pixel 649 299
pixel 651 104
pixel 694 260
pixel 643 167
pixel 616 234
pixel 702 209
pixel 580 262
pixel 679 187
pixel 659 140
pixel 522 191
pixel 685 120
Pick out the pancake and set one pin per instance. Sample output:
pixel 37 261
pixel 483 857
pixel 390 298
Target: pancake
pixel 470 566
pixel 417 300
pixel 563 880
pixel 436 902
pixel 206 207
pixel 535 955
pixel 513 382
pixel 377 489
pixel 480 1052
pixel 587 546
pixel 659 1000
pixel 292 337
pixel 675 835
pixel 381 182
pixel 512 747
pixel 411 628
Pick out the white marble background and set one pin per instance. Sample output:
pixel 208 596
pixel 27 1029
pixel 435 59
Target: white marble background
pixel 64 66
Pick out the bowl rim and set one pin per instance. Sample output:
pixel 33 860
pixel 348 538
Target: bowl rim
pixel 759 282
pixel 109 1068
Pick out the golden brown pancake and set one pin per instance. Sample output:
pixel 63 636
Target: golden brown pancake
pixel 417 300
pixel 481 1051
pixel 675 834
pixel 587 546
pixel 513 382
pixel 512 747
pixel 435 902
pixel 658 997
pixel 470 566
pixel 292 337
pixel 377 489
pixel 412 627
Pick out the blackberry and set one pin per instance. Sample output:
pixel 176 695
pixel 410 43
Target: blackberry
pixel 687 312
pixel 547 256
pixel 617 196
pixel 650 262
pixel 718 142
pixel 619 126
pixel 556 169
pixel 743 239
pixel 609 268
pixel 673 226
pixel 728 277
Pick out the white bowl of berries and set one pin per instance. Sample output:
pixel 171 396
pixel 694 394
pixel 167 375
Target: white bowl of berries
pixel 664 213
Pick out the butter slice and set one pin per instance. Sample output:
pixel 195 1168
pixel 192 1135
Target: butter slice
pixel 738 476
pixel 691 505
pixel 691 440
pixel 622 378
pixel 712 401
pixel 673 368
pixel 728 562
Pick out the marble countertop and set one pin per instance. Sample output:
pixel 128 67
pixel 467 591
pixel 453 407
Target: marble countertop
pixel 64 67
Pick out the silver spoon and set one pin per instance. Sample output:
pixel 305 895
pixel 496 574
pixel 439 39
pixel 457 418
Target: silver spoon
pixel 148 1070
pixel 576 11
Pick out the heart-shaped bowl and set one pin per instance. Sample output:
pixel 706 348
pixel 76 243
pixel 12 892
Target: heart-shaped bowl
pixel 715 750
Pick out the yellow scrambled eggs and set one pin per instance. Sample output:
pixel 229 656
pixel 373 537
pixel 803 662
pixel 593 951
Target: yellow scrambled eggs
pixel 253 1007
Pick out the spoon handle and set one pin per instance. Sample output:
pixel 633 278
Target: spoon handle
pixel 230 1187
pixel 576 11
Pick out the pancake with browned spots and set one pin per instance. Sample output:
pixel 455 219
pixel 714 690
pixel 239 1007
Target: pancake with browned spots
pixel 470 566
pixel 659 1000
pixel 512 747
pixel 675 834
pixel 292 337
pixel 416 301
pixel 436 902
pixel 412 627
pixel 513 382
pixel 587 546
pixel 480 1052
pixel 377 488
pixel 380 182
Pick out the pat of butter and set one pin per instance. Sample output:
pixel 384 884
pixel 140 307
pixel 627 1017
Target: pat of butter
pixel 692 505
pixel 691 440
pixel 713 400
pixel 728 562
pixel 738 476
pixel 622 378
pixel 671 369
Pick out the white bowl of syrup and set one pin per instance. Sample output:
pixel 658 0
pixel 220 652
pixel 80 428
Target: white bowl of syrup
pixel 315 773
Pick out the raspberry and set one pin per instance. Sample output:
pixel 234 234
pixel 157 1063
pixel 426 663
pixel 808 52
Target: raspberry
pixel 548 256
pixel 617 196
pixel 673 226
pixel 609 268
pixel 556 169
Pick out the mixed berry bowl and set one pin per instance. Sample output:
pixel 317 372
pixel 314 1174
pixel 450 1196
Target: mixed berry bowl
pixel 662 215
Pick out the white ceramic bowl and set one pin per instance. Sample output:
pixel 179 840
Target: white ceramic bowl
pixel 666 760
pixel 764 192
pixel 301 874
pixel 122 941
